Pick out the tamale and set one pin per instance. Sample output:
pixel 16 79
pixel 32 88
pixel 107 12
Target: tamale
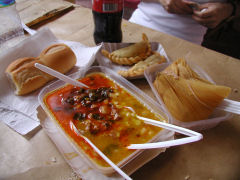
pixel 187 96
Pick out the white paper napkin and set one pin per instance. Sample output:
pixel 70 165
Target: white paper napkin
pixel 19 112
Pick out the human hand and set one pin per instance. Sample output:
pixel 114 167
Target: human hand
pixel 176 6
pixel 212 14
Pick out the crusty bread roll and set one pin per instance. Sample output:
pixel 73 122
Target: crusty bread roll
pixel 25 78
pixel 58 57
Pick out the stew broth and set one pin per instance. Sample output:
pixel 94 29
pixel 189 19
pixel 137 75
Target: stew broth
pixel 100 113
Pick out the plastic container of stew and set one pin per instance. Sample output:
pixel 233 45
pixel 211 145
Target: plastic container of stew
pixel 214 119
pixel 121 129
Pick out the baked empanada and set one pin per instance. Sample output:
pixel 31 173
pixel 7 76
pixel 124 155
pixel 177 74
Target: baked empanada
pixel 138 68
pixel 131 54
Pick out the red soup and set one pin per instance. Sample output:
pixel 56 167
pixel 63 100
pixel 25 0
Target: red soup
pixel 102 114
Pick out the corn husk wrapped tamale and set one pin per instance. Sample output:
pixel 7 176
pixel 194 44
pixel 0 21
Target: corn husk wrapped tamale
pixel 187 96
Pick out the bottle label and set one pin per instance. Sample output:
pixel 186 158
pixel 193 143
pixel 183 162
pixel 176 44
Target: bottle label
pixel 4 3
pixel 107 6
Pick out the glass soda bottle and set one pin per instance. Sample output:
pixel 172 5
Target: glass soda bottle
pixel 107 16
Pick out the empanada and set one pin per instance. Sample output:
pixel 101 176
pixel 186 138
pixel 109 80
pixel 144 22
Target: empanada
pixel 138 68
pixel 131 54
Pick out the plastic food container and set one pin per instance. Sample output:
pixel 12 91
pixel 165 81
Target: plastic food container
pixel 163 134
pixel 214 119
pixel 103 61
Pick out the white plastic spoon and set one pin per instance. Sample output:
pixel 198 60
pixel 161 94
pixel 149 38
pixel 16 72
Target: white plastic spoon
pixel 59 75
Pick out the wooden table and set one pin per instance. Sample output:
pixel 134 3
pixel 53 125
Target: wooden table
pixel 216 157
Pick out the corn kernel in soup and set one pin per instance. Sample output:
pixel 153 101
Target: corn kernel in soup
pixel 101 113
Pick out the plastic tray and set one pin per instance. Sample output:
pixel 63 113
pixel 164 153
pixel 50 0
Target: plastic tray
pixel 214 119
pixel 163 135
pixel 103 61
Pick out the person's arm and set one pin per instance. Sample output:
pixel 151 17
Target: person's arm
pixel 212 14
pixel 174 6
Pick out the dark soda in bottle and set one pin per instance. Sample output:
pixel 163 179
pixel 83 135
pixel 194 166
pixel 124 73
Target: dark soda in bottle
pixel 107 16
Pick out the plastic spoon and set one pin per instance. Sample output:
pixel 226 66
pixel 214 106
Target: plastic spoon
pixel 59 75
pixel 193 136
pixel 123 174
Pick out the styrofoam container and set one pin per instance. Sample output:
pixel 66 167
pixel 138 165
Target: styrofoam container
pixel 215 118
pixel 163 135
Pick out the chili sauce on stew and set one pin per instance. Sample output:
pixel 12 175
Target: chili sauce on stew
pixel 101 113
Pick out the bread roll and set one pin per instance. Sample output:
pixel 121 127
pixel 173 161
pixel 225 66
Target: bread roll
pixel 58 57
pixel 25 78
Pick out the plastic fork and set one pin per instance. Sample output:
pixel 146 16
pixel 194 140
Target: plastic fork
pixel 123 174
pixel 193 136
pixel 230 106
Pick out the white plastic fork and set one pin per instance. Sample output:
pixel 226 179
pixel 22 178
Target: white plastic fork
pixel 230 106
pixel 193 136
pixel 123 174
